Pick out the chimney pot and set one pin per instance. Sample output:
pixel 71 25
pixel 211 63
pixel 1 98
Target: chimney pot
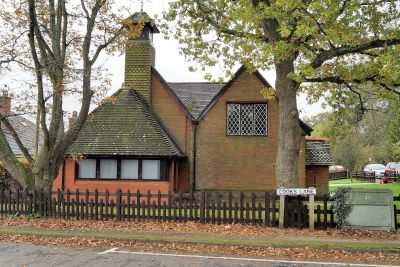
pixel 72 119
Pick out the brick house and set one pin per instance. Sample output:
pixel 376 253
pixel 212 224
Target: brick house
pixel 26 131
pixel 154 135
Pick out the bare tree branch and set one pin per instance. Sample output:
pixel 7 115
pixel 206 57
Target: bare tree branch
pixel 344 50
pixel 339 80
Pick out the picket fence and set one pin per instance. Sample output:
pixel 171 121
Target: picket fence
pixel 204 207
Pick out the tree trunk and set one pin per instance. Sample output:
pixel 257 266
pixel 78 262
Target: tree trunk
pixel 286 168
pixel 41 171
pixel 43 182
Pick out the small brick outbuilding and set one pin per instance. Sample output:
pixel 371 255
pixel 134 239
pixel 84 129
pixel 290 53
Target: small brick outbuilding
pixel 318 160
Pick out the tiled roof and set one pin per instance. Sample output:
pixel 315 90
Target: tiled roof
pixel 125 125
pixel 199 97
pixel 26 132
pixel 318 152
pixel 196 96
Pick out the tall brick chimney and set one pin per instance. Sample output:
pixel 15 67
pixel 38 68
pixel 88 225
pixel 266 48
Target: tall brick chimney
pixel 140 57
pixel 5 103
pixel 72 119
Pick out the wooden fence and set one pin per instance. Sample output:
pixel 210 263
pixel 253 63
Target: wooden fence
pixel 339 175
pixel 397 211
pixel 204 207
pixel 364 175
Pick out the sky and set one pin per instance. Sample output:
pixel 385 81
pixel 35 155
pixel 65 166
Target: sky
pixel 171 64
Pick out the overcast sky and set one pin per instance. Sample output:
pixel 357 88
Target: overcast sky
pixel 171 64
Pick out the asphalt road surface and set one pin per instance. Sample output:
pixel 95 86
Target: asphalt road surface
pixel 12 254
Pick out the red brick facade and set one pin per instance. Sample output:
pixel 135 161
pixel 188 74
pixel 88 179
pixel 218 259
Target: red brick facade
pixel 239 162
pixel 222 162
pixel 179 125
pixel 318 177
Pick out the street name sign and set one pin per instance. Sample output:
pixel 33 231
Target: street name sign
pixel 296 191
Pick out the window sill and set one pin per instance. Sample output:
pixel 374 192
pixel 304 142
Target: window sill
pixel 242 135
pixel 120 180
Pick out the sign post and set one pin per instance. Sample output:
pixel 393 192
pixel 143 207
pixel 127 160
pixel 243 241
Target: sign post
pixel 281 211
pixel 283 192
pixel 311 212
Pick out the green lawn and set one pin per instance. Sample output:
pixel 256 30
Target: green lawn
pixel 346 181
pixel 395 187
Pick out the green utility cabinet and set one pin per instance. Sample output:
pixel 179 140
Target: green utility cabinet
pixel 371 209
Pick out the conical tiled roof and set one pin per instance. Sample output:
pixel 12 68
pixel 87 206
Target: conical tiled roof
pixel 124 125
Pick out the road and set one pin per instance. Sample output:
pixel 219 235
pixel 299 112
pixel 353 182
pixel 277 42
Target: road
pixel 13 254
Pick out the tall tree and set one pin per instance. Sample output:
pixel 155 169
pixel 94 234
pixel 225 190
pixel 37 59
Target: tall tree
pixel 59 42
pixel 310 44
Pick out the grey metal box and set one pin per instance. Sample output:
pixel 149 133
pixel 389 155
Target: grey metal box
pixel 372 209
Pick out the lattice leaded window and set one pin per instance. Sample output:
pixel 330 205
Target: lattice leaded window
pixel 247 119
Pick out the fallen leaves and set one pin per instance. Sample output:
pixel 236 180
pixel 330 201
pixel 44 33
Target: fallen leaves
pixel 188 227
pixel 270 252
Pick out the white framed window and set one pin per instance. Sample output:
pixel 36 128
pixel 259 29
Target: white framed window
pixel 123 169
pixel 247 119
pixel 151 170
pixel 108 168
pixel 87 169
pixel 130 169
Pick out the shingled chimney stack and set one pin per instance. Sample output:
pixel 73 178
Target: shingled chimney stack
pixel 140 57
pixel 5 103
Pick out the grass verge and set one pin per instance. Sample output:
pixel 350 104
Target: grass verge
pixel 212 240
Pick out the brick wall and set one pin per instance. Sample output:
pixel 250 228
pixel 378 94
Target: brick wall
pixel 171 115
pixel 239 162
pixel 318 177
pixel 223 162
pixel 175 120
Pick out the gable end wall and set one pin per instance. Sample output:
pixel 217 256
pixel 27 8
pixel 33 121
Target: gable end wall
pixel 239 162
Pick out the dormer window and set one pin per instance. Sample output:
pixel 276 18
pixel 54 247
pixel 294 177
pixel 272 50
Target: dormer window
pixel 247 119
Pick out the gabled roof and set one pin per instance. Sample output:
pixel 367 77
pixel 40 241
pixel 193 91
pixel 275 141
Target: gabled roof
pixel 26 131
pixel 196 96
pixel 227 86
pixel 318 152
pixel 125 125
pixel 196 99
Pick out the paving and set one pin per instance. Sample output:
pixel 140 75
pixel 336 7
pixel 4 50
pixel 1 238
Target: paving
pixel 12 254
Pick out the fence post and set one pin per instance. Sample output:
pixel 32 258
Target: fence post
pixel 395 216
pixel 59 203
pixel 119 200
pixel 96 204
pixel 77 201
pixel 241 207
pixel 1 201
pixel 311 212
pixel 202 206
pixel 281 211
